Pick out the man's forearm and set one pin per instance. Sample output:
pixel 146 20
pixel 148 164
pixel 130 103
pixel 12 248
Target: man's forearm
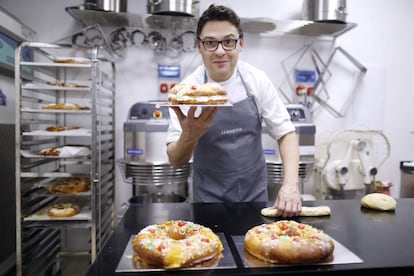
pixel 289 153
pixel 180 152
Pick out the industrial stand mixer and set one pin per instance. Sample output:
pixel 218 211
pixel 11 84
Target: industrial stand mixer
pixel 145 164
pixel 348 162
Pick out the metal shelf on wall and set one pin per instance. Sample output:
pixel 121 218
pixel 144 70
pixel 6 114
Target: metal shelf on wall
pixel 312 28
pixel 131 20
pixel 175 33
pixel 120 30
pixel 267 26
pixel 273 27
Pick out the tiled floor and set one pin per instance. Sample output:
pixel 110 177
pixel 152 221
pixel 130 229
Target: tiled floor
pixel 75 265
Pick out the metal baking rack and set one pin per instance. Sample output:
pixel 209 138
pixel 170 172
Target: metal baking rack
pixel 39 238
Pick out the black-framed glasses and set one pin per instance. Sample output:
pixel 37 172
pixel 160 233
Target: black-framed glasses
pixel 212 45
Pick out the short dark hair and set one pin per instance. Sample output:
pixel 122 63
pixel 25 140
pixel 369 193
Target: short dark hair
pixel 220 13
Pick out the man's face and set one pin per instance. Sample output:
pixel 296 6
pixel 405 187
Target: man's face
pixel 220 63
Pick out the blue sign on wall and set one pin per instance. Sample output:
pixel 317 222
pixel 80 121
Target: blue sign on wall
pixel 308 76
pixel 169 71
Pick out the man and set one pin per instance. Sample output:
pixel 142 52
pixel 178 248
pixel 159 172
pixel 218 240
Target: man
pixel 225 142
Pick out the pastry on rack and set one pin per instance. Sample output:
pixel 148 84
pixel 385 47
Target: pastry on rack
pixel 71 60
pixel 69 85
pixel 64 106
pixel 66 151
pixel 71 185
pixel 63 210
pixel 61 128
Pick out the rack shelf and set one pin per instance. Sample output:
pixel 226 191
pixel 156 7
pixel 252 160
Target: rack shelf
pixel 36 174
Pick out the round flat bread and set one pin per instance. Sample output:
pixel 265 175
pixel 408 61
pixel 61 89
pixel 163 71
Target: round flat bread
pixel 288 242
pixel 65 106
pixel 305 212
pixel 61 128
pixel 52 151
pixel 63 210
pixel 71 60
pixel 71 185
pixel 379 201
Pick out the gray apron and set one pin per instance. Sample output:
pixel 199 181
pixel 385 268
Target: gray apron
pixel 228 161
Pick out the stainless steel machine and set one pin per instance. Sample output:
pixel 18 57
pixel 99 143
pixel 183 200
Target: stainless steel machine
pixel 145 164
pixel 407 179
pixel 305 130
pixel 348 162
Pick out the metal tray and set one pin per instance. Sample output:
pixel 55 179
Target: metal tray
pixel 85 214
pixel 342 255
pixel 126 262
pixel 72 132
pixel 66 152
pixel 189 105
